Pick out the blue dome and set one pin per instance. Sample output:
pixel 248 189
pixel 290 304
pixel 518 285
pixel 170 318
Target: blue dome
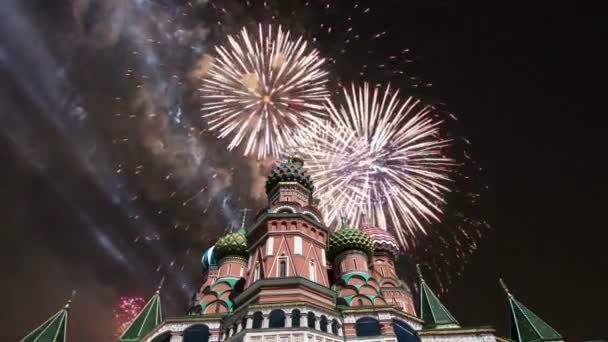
pixel 209 259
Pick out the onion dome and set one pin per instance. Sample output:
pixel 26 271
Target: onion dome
pixel 291 171
pixel 349 239
pixel 209 258
pixel 232 244
pixel 382 240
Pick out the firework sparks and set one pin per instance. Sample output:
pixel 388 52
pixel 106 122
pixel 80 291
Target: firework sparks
pixel 127 310
pixel 261 87
pixel 382 156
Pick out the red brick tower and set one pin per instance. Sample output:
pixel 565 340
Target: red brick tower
pixel 288 240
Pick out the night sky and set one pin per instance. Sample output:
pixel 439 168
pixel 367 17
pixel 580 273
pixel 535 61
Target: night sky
pixel 81 78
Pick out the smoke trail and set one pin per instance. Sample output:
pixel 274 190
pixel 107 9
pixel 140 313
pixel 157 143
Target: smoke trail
pixel 26 57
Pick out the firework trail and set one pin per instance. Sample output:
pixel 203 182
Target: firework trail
pixel 382 156
pixel 261 87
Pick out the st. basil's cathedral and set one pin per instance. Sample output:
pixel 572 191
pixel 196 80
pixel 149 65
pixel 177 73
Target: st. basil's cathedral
pixel 287 278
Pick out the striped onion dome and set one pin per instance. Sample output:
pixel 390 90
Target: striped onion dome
pixel 382 240
pixel 291 171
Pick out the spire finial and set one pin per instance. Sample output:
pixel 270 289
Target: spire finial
pixel 343 223
pixel 296 159
pixel 419 273
pixel 504 287
pixel 363 218
pixel 67 305
pixel 160 284
pixel 244 210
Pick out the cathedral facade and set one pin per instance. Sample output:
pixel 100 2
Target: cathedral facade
pixel 287 278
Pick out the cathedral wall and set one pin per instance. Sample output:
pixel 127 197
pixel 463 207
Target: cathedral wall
pixel 289 247
pixel 232 267
pixel 352 261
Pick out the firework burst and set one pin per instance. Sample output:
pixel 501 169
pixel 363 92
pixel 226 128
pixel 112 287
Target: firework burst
pixel 260 87
pixel 382 156
pixel 127 310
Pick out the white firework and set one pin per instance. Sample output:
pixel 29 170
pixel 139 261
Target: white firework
pixel 381 156
pixel 259 89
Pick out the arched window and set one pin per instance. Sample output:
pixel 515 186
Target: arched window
pixel 244 323
pixel 367 326
pixel 312 271
pixel 311 320
pixel 283 268
pixel 165 337
pixel 334 327
pixel 256 272
pixel 404 332
pixel 355 263
pixel 277 319
pixel 360 301
pixel 295 318
pixel 196 333
pixel 323 323
pixel 258 318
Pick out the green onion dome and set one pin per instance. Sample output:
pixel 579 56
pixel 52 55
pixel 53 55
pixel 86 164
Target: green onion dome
pixel 232 244
pixel 349 239
pixel 291 171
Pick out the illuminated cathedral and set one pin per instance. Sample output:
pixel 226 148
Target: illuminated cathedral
pixel 285 277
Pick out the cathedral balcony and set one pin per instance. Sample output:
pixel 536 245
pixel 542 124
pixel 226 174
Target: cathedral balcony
pixel 289 322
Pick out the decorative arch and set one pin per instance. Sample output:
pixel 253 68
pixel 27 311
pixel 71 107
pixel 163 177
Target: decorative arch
pixel 164 337
pixel 311 215
pixel 216 307
pixel 285 209
pixel 295 318
pixel 197 333
pixel 311 319
pixel 323 323
pixel 335 326
pixel 367 326
pixel 404 332
pixel 277 319
pixel 258 318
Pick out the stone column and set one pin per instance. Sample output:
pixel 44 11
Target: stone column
pixel 249 322
pixel 304 320
pixel 339 330
pixel 239 328
pixel 265 322
pixel 288 320
pixel 318 323
pixel 176 336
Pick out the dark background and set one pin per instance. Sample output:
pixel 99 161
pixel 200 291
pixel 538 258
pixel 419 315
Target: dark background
pixel 528 84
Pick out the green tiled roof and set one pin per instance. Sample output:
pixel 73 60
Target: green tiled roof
pixel 53 330
pixel 149 317
pixel 527 326
pixel 432 311
pixel 349 239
